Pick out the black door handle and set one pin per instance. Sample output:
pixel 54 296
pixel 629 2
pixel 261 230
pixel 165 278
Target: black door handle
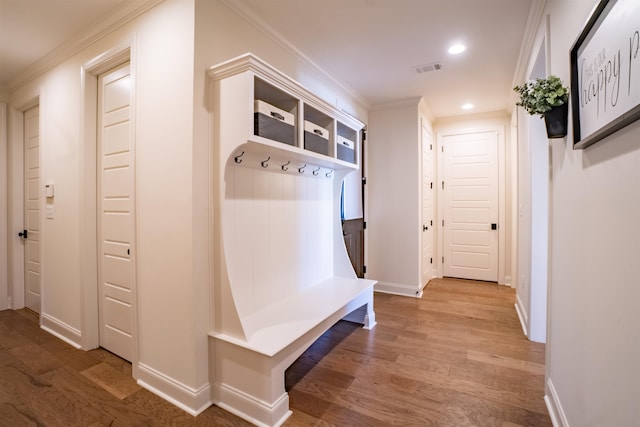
pixel 494 226
pixel 425 228
pixel 23 233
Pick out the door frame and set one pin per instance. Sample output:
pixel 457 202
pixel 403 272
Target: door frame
pixel 503 226
pixel 4 207
pixel 89 194
pixel 15 220
pixel 27 224
pixel 426 125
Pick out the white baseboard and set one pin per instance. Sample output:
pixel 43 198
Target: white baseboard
pixel 398 289
pixel 522 315
pixel 251 409
pixel 191 400
pixel 58 328
pixel 558 417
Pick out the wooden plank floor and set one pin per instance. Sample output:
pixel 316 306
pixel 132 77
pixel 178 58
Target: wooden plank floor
pixel 456 357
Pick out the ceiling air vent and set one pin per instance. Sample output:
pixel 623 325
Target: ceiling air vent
pixel 426 68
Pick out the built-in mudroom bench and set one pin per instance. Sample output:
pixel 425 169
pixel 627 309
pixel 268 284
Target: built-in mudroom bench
pixel 282 276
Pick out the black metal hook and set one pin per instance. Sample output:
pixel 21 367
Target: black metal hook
pixel 238 158
pixel 285 167
pixel 301 170
pixel 315 172
pixel 264 162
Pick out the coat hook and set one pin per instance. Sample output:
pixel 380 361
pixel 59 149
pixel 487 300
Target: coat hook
pixel 264 162
pixel 315 172
pixel 238 158
pixel 301 170
pixel 328 174
pixel 285 167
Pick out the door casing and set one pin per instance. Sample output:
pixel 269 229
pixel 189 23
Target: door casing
pixel 15 157
pixel 490 125
pixel 88 196
pixel 32 211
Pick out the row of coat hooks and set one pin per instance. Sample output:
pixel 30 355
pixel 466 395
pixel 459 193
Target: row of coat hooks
pixel 285 167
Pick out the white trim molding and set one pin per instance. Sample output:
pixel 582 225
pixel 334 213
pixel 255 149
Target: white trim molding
pixel 60 329
pixel 558 417
pixel 189 399
pixel 122 15
pixel 249 408
pixel 398 289
pixel 255 21
pixel 522 315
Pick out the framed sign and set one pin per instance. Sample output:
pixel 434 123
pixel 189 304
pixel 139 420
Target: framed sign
pixel 605 72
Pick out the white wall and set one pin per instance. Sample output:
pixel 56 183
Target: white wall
pixel 393 198
pixel 162 68
pixel 593 375
pixel 171 45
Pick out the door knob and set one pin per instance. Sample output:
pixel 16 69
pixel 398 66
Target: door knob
pixel 23 233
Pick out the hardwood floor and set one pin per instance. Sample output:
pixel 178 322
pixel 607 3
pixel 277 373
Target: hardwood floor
pixel 456 357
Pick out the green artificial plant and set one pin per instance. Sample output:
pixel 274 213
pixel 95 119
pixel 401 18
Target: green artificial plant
pixel 542 95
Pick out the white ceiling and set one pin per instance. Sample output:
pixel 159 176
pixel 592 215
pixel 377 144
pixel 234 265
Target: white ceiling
pixel 370 45
pixel 29 29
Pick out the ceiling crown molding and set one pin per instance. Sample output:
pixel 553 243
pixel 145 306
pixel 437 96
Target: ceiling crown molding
pixel 90 35
pixel 258 23
pixel 534 21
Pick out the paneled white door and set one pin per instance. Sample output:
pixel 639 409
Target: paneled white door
pixel 116 270
pixel 427 207
pixel 32 208
pixel 471 210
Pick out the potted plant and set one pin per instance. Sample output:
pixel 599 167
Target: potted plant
pixel 547 98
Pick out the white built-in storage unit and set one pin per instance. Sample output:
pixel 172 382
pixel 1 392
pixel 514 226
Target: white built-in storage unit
pixel 282 275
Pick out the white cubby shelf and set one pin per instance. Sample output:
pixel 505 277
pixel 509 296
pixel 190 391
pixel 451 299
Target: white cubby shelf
pixel 282 275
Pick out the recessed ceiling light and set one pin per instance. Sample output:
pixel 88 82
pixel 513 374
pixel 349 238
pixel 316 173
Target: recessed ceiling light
pixel 456 49
pixel 467 106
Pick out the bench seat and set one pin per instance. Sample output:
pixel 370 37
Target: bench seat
pixel 249 374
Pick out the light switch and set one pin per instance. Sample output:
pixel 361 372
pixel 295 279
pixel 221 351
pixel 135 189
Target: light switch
pixel 49 211
pixel 48 190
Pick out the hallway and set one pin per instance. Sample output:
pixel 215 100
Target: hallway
pixel 456 357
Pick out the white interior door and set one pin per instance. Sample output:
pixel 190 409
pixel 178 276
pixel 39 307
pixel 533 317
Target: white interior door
pixel 470 191
pixel 32 208
pixel 115 212
pixel 427 207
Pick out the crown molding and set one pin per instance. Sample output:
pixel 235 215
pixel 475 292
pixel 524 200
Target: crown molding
pixel 536 12
pixel 413 101
pixel 258 23
pixel 82 40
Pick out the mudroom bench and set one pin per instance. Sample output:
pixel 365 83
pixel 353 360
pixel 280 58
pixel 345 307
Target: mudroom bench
pixel 250 374
pixel 281 272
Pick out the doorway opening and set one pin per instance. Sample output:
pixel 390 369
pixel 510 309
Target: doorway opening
pixel 115 222
pixel 32 208
pixel 533 221
pixel 471 201
pixel 107 212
